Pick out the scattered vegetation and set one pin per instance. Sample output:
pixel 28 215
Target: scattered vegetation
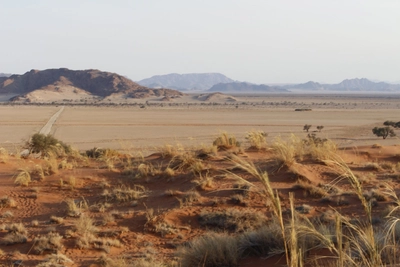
pixel 242 211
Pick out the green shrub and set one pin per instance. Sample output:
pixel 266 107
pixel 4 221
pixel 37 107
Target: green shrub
pixel 46 144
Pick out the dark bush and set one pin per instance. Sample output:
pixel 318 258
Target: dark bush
pixel 383 132
pixel 45 144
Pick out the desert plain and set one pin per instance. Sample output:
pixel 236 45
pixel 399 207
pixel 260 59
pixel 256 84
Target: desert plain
pixel 347 119
pixel 157 183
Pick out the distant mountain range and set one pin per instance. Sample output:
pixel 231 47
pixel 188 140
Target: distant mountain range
pixel 48 84
pixel 356 85
pixel 215 82
pixel 105 84
pixel 185 82
pixel 244 87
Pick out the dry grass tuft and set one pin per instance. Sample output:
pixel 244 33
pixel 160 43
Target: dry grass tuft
pixel 287 152
pixel 17 233
pixel 257 139
pixel 124 193
pixel 7 202
pixel 23 178
pixel 75 207
pixel 55 260
pixel 310 189
pixel 3 155
pixel 226 141
pixel 57 220
pixel 52 242
pixel 210 250
pixel 234 220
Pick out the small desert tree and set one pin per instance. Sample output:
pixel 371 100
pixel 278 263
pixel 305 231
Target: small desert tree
pixel 383 132
pixel 307 127
pixel 319 128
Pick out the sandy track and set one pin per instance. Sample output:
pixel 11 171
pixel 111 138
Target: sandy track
pixel 47 128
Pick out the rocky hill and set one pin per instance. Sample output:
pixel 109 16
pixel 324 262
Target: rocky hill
pixel 5 74
pixel 59 83
pixel 184 82
pixel 350 85
pixel 244 87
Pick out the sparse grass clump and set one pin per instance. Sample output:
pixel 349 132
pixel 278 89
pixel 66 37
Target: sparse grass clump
pixel 210 250
pixel 17 233
pixel 234 220
pixel 7 214
pixel 55 260
pixel 3 155
pixel 57 220
pixel 263 242
pixel 187 161
pixel 287 152
pixel 310 189
pixel 204 182
pixel 52 242
pixel 372 166
pixel 189 198
pixel 50 166
pixel 85 225
pixel 7 202
pixel 98 153
pixel 257 139
pixel 226 141
pixel 124 193
pixel 75 207
pixel 23 178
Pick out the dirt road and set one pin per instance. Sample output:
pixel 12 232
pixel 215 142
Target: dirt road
pixel 47 128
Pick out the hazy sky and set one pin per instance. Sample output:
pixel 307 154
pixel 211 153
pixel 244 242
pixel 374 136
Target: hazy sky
pixel 260 41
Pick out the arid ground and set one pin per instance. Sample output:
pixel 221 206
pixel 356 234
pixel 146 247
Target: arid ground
pixel 347 121
pixel 168 188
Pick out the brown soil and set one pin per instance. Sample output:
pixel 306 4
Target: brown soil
pixel 164 195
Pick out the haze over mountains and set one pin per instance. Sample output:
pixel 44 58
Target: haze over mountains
pixel 356 84
pixel 184 82
pixel 244 87
pixel 214 82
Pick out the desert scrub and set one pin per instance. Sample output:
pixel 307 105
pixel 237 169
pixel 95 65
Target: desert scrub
pixel 3 155
pixel 287 152
pixel 210 250
pixel 75 207
pixel 23 178
pixel 17 233
pixel 234 220
pixel 226 141
pixel 109 156
pixel 257 139
pixel 124 193
pixel 52 242
pixel 187 161
pixel 7 202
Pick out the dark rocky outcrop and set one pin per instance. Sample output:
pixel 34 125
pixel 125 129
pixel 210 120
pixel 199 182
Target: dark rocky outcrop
pixel 95 82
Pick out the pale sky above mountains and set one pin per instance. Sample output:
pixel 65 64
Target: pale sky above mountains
pixel 260 41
